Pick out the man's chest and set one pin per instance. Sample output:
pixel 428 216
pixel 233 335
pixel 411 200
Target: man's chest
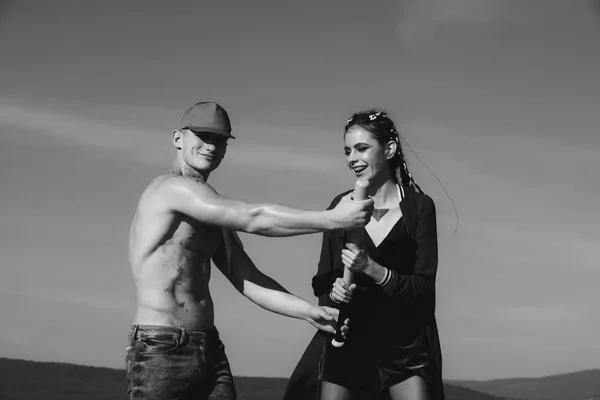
pixel 200 238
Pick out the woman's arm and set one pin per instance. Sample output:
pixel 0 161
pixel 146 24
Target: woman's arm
pixel 421 282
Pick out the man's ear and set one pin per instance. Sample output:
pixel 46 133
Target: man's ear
pixel 391 149
pixel 177 138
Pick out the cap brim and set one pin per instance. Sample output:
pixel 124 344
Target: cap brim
pixel 203 129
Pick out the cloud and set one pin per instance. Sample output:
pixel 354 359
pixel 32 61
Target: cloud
pixel 423 23
pixel 488 11
pixel 542 314
pixel 153 147
pixel 281 157
pixel 534 247
pixel 142 143
pixel 448 10
pixel 99 301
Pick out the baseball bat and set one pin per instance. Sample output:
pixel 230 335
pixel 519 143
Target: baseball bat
pixel 360 193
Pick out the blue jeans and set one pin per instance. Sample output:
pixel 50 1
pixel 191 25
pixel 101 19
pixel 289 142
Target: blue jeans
pixel 167 363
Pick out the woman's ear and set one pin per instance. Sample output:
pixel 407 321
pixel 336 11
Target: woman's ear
pixel 391 148
pixel 177 137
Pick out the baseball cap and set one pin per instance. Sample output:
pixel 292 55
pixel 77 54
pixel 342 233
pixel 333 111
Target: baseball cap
pixel 207 116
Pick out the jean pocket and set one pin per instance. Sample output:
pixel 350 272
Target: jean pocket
pixel 157 346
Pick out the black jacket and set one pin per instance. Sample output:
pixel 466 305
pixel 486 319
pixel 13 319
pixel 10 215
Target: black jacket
pixel 410 297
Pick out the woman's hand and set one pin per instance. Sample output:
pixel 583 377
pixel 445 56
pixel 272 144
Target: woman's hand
pixel 341 292
pixel 355 259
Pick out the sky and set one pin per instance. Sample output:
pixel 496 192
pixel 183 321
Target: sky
pixel 498 98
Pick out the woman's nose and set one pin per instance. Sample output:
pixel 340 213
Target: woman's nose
pixel 352 157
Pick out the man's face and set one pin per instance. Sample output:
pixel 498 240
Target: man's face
pixel 201 151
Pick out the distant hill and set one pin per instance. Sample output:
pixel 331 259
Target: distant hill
pixel 30 380
pixel 580 385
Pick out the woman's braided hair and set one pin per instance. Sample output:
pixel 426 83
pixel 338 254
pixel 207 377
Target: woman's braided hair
pixel 381 126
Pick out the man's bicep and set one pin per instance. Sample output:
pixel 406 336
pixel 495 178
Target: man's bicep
pixel 200 201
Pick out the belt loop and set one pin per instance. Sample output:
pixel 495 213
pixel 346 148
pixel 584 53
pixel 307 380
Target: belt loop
pixel 183 338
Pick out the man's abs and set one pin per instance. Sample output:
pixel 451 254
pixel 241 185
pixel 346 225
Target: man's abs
pixel 172 277
pixel 174 291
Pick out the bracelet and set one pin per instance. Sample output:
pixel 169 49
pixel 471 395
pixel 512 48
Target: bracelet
pixel 387 278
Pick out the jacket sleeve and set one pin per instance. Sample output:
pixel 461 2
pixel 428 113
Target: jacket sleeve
pixel 420 284
pixel 322 282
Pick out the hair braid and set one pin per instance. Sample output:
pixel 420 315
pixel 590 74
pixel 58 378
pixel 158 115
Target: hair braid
pixel 402 170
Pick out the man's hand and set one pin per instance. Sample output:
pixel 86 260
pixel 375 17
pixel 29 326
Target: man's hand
pixel 341 292
pixel 325 318
pixel 351 214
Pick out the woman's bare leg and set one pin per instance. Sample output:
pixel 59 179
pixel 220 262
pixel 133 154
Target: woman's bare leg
pixel 414 388
pixel 331 391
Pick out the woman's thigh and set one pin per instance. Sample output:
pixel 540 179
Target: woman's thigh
pixel 413 388
pixel 332 391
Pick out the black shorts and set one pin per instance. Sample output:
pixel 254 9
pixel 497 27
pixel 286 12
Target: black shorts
pixel 365 362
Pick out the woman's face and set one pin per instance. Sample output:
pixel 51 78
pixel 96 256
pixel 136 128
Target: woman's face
pixel 365 156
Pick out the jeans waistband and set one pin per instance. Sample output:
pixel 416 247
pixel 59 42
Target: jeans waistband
pixel 180 334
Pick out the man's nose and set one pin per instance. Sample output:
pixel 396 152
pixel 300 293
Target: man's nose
pixel 210 146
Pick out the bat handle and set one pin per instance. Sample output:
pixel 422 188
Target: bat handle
pixel 360 193
pixel 338 340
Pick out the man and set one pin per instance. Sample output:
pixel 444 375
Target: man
pixel 180 225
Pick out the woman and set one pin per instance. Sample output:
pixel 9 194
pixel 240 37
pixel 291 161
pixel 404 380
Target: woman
pixel 393 344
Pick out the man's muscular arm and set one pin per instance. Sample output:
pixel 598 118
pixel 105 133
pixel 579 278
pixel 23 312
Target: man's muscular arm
pixel 266 292
pixel 200 201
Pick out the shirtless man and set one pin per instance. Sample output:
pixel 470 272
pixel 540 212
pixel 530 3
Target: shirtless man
pixel 181 224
